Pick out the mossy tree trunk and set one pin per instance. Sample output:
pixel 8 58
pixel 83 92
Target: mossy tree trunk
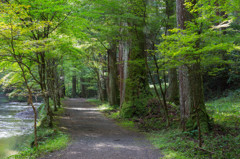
pixel 173 89
pixel 192 106
pixel 113 91
pixel 62 84
pixel 42 71
pixel 198 108
pixel 102 92
pixel 74 85
pixel 137 86
pixel 184 93
pixel 51 81
pixel 83 88
pixel 123 62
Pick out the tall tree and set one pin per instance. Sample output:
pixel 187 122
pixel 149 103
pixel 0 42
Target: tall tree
pixel 137 88
pixel 192 106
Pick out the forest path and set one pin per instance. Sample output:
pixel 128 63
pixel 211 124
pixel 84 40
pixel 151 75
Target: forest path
pixel 96 137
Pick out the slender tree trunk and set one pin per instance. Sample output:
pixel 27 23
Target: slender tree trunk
pixel 83 88
pixel 173 89
pixel 62 85
pixel 74 85
pixel 19 62
pixel 100 86
pixel 51 81
pixel 163 91
pixel 57 87
pixel 30 101
pixel 34 110
pixel 42 75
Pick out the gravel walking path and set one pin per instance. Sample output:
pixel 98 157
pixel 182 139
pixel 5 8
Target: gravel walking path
pixel 96 137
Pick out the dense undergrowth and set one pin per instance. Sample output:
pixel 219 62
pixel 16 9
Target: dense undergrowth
pixel 223 141
pixel 49 139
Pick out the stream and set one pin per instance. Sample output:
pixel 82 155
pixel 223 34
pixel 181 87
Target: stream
pixel 16 123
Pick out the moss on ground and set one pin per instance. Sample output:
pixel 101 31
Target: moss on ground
pixel 223 141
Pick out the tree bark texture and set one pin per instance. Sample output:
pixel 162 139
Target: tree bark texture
pixel 184 93
pixel 102 92
pixel 83 88
pixel 137 86
pixel 43 83
pixel 123 65
pixel 74 85
pixel 62 84
pixel 113 91
pixel 173 89
pixel 51 81
pixel 190 84
pixel 198 108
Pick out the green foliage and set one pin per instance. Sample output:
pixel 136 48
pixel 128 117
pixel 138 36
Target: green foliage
pixel 222 142
pixel 94 101
pixel 175 144
pixel 49 139
pixel 152 124
pixel 78 34
pixel 56 142
pixel 202 41
pixel 135 107
pixel 225 111
pixel 113 113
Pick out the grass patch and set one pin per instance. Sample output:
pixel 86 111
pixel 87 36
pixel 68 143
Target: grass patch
pixel 127 124
pixel 113 112
pixel 225 111
pixel 171 144
pixel 49 140
pixel 56 142
pixel 175 144
pixel 94 101
pixel 222 142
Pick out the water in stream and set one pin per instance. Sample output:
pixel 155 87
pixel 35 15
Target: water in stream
pixel 16 122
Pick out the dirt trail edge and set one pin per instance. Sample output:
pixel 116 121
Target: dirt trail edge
pixel 96 137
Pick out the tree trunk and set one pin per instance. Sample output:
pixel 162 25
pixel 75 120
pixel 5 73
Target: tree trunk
pixel 62 85
pixel 101 90
pixel 42 74
pixel 83 88
pixel 30 100
pixel 190 84
pixel 51 82
pixel 137 86
pixel 57 87
pixel 123 67
pixel 74 85
pixel 173 89
pixel 184 93
pixel 113 91
pixel 198 108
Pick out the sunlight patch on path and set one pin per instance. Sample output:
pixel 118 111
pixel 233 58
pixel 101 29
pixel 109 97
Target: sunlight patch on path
pixel 91 109
pixel 116 146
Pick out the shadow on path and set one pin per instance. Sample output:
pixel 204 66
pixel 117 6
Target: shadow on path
pixel 96 137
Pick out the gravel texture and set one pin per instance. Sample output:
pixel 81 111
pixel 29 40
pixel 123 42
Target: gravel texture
pixel 96 137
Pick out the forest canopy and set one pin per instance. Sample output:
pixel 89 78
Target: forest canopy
pixel 149 59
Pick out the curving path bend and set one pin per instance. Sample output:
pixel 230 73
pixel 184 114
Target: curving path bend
pixel 96 137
